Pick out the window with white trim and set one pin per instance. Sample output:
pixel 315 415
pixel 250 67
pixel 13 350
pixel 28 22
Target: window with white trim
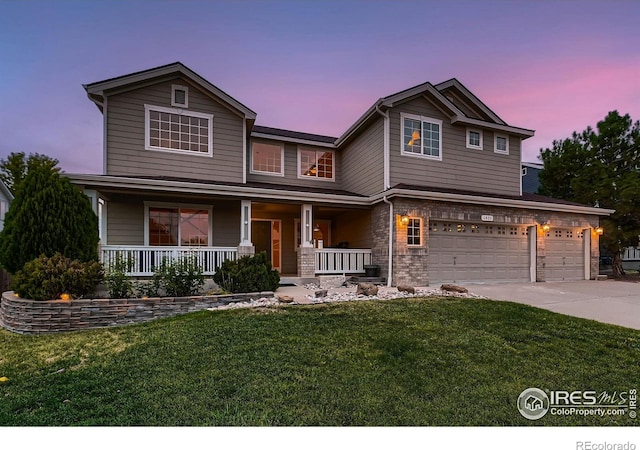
pixel 474 139
pixel 179 96
pixel 267 158
pixel 421 136
pixel 414 231
pixel 316 164
pixel 501 144
pixel 182 226
pixel 175 130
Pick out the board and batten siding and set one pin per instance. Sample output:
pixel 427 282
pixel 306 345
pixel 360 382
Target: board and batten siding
pixel 461 168
pixel 290 177
pixel 126 154
pixel 125 219
pixel 363 161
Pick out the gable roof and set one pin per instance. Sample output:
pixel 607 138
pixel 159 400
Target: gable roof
pixel 96 90
pixel 435 94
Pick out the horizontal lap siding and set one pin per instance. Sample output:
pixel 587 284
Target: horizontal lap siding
pixel 291 168
pixel 126 154
pixel 363 161
pixel 125 219
pixel 460 168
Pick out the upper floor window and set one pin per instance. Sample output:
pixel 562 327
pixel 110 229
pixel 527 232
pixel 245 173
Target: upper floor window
pixel 421 136
pixel 179 96
pixel 414 231
pixel 316 164
pixel 267 158
pixel 180 131
pixel 501 144
pixel 474 139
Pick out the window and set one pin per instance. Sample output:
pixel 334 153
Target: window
pixel 524 171
pixel 316 164
pixel 173 130
pixel 179 96
pixel 179 226
pixel 414 231
pixel 474 139
pixel 267 158
pixel 501 144
pixel 421 136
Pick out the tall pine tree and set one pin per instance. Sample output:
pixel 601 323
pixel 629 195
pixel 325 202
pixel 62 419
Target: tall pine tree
pixel 48 215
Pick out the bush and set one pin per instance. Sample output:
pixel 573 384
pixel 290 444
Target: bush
pixel 48 215
pixel 118 282
pixel 179 278
pixel 45 278
pixel 248 274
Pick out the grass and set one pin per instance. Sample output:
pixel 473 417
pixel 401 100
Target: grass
pixel 378 363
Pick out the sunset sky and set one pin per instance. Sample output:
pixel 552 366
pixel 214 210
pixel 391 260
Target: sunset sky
pixel 316 66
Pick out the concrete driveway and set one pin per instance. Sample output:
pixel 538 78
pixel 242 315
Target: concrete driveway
pixel 608 301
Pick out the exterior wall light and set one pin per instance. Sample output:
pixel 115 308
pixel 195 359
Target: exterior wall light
pixel 65 296
pixel 546 227
pixel 599 231
pixel 404 219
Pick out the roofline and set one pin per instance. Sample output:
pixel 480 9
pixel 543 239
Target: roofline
pixel 522 132
pixel 278 137
pixel 532 165
pixel 98 88
pixel 275 194
pixel 475 100
pixel 6 191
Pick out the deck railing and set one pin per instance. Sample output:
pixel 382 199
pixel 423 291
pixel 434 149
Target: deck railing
pixel 631 254
pixel 143 259
pixel 339 260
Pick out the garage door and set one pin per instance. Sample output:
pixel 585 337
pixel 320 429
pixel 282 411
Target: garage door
pixel 477 253
pixel 565 254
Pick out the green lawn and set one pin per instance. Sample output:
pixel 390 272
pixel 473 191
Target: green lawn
pixel 400 362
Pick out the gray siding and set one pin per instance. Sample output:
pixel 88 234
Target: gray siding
pixel 291 168
pixel 363 161
pixel 125 219
pixel 126 154
pixel 460 168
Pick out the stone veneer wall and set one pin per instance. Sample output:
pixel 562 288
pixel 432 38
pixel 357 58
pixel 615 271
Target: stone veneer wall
pixel 410 263
pixel 33 317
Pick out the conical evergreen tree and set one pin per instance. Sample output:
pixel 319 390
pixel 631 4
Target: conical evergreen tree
pixel 48 215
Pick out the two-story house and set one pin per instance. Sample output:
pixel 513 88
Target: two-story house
pixel 426 185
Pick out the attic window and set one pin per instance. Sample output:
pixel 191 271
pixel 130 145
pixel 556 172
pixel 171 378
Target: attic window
pixel 501 144
pixel 179 96
pixel 474 139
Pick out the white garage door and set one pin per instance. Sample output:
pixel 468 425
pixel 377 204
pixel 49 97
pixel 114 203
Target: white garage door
pixel 476 253
pixel 565 254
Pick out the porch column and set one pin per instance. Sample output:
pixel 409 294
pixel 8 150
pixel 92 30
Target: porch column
pixel 306 252
pixel 246 246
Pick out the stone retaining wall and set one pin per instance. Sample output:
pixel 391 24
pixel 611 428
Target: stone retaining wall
pixel 33 317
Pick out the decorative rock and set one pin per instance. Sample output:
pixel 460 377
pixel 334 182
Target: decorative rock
pixel 407 289
pixel 367 289
pixel 321 293
pixel 285 298
pixel 454 288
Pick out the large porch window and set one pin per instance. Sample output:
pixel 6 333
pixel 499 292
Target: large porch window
pixel 185 226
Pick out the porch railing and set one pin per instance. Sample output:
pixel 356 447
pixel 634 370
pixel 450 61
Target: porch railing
pixel 144 258
pixel 339 260
pixel 631 254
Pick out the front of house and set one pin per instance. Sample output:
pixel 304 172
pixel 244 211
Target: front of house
pixel 426 185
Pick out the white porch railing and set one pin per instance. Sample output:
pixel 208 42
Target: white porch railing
pixel 631 254
pixel 144 258
pixel 339 260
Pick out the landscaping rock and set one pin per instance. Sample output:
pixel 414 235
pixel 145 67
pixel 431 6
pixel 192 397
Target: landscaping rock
pixel 367 289
pixel 285 298
pixel 454 288
pixel 407 289
pixel 321 293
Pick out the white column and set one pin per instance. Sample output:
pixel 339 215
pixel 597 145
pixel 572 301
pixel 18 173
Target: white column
pixel 533 253
pixel 306 229
pixel 586 236
pixel 245 223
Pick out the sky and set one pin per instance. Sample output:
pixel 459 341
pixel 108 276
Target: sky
pixel 316 66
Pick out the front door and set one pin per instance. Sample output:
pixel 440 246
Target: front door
pixel 266 237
